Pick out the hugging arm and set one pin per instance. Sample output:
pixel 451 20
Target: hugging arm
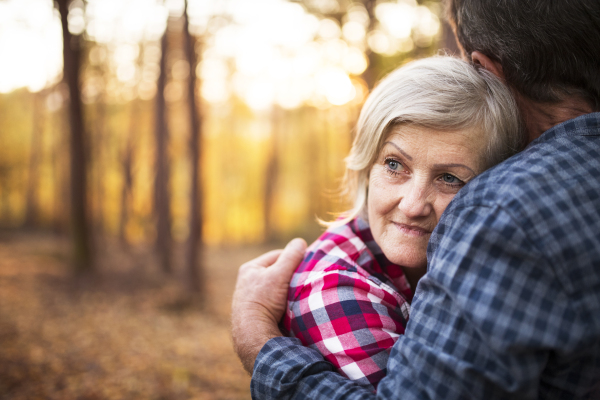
pixel 259 299
pixel 285 369
pixel 476 328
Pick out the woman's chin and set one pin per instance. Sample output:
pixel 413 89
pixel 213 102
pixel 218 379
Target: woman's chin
pixel 408 258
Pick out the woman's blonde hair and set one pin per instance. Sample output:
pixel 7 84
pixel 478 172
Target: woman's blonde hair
pixel 441 93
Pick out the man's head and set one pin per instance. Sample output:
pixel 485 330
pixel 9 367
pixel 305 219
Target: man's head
pixel 548 50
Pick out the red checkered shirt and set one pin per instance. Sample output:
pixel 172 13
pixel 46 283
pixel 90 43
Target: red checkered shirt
pixel 349 302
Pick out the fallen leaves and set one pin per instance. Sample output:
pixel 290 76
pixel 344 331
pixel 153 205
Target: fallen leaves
pixel 128 333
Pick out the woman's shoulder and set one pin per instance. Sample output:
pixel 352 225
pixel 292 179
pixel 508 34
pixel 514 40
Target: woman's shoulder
pixel 339 248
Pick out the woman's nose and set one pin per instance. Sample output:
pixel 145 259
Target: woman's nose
pixel 415 202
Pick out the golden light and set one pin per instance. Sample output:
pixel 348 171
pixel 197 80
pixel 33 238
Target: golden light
pixel 358 13
pixel 150 72
pixel 54 101
pixel 405 45
pixel 97 55
pixel 259 93
pixel 380 43
pixel 326 6
pixel 225 41
pixel 397 19
pixel 254 60
pixel 335 85
pixel 214 73
pixel 353 31
pixel 295 93
pixel 132 21
pixel 146 90
pixel 274 41
pixel 333 51
pixel 126 72
pixel 215 91
pixel 212 68
pixel 126 53
pixel 427 22
pixel 329 29
pixel 307 60
pixel 30 44
pixel 92 87
pixel 355 61
pixel 76 18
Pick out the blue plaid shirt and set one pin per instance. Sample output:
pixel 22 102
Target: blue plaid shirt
pixel 510 306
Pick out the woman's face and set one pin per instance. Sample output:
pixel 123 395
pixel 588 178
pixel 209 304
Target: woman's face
pixel 416 174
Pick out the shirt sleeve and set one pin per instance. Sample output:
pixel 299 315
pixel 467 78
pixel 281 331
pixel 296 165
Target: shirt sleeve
pixel 352 319
pixel 484 321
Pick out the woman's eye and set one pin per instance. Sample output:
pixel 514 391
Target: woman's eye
pixel 393 165
pixel 451 179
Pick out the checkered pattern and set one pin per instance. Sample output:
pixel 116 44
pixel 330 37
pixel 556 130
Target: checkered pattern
pixel 349 302
pixel 510 306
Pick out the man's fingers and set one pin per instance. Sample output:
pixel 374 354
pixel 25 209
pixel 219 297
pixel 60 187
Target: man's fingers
pixel 290 258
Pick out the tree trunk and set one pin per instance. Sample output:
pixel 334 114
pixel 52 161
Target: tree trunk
pixel 82 255
pixel 60 172
pixel 369 75
pixel 195 281
pixel 162 207
pixel 127 160
pixel 99 167
pixel 32 205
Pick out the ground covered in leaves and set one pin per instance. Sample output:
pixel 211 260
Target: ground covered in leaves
pixel 130 332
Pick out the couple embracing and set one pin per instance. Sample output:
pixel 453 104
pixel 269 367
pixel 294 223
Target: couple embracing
pixel 469 266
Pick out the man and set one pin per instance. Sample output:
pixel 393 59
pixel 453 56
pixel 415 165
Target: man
pixel 510 306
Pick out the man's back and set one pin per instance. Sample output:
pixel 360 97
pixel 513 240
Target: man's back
pixel 513 290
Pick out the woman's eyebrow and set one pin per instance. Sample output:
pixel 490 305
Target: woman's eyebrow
pixel 445 166
pixel 400 150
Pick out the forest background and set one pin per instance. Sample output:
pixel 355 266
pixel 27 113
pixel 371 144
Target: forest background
pixel 147 149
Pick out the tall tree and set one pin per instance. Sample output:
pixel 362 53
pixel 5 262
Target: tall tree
pixel 59 168
pixel 127 161
pixel 98 161
pixel 32 206
pixel 72 44
pixel 370 74
pixel 194 246
pixel 162 203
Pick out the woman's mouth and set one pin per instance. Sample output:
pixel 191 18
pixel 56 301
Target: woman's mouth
pixel 412 230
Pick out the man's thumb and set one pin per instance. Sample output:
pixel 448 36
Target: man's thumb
pixel 290 258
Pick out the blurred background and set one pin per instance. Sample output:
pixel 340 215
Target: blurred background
pixel 147 149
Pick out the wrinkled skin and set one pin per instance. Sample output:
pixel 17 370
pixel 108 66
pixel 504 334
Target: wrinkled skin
pixel 254 315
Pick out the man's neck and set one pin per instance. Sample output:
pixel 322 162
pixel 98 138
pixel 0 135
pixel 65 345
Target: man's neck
pixel 539 117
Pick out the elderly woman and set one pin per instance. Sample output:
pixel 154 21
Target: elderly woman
pixel 426 130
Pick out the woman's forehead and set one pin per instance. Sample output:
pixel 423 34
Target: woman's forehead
pixel 466 146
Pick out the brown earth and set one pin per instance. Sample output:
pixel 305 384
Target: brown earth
pixel 128 332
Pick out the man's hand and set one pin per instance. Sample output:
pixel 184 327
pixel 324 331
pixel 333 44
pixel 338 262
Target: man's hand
pixel 260 299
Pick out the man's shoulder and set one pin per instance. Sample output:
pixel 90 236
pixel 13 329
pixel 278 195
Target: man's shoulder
pixel 548 196
pixel 561 165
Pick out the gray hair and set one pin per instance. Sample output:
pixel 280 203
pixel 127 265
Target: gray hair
pixel 441 93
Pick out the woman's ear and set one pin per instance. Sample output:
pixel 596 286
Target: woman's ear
pixel 487 63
